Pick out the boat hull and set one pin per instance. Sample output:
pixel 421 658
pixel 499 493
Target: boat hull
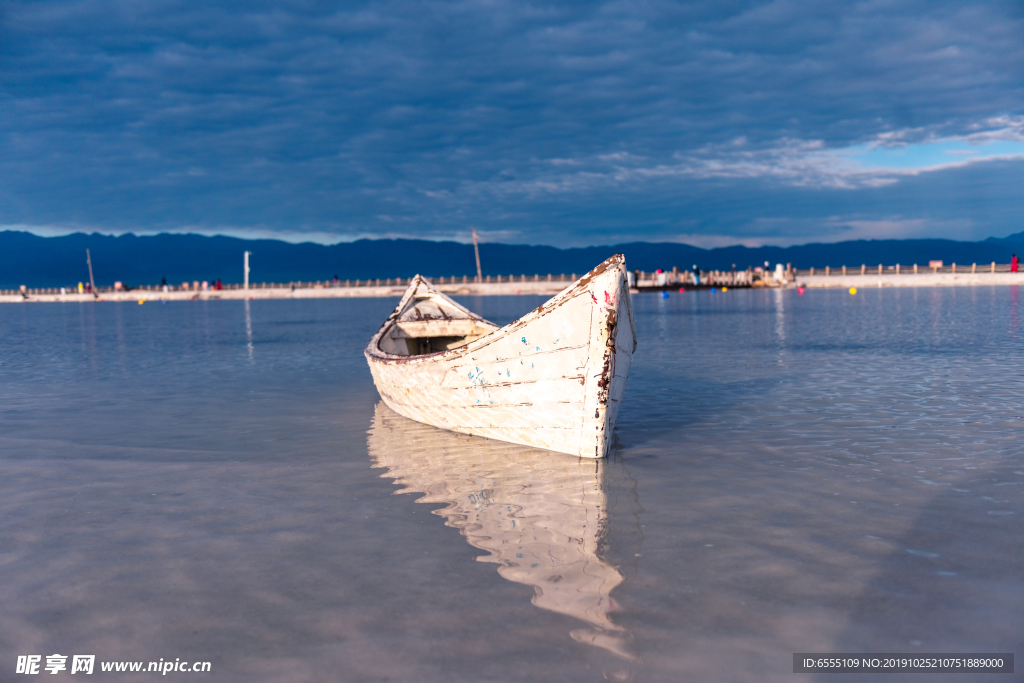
pixel 553 379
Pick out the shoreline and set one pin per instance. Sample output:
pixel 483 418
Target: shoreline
pixel 542 288
pixel 874 281
pixel 458 289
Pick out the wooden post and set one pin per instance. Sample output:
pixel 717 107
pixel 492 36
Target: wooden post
pixel 245 269
pixel 993 266
pixel 974 268
pixel 879 268
pixel 92 282
pixel 897 269
pixel 476 250
pixel 915 269
pixel 812 270
pixel 844 270
pixel 863 269
pixel 954 268
pixel 826 270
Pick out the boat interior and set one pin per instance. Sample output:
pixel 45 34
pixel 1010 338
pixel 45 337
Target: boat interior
pixel 430 324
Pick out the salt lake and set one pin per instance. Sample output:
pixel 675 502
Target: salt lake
pixel 218 481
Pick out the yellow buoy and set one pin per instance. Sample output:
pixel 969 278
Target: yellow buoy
pixel 142 301
pixel 853 290
pixel 725 289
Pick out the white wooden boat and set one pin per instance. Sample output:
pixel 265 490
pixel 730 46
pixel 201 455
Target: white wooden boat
pixel 542 518
pixel 553 379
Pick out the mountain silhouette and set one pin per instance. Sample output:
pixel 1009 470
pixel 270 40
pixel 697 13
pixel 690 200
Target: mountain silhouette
pixel 34 261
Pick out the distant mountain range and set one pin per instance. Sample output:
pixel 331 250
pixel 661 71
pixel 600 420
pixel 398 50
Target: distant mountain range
pixel 33 261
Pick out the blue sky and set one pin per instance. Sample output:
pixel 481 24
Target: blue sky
pixel 568 124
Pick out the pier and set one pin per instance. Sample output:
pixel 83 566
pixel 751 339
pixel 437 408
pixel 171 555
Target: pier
pixel 546 285
pixel 913 275
pixel 841 277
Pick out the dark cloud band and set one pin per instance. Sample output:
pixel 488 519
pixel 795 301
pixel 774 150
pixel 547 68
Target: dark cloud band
pixel 566 124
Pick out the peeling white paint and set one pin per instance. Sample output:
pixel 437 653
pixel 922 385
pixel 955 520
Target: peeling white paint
pixel 553 379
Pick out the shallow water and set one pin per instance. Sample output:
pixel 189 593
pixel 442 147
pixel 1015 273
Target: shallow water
pixel 218 481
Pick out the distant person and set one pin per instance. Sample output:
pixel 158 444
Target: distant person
pixel 1013 263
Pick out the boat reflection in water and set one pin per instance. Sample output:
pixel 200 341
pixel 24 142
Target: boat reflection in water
pixel 541 515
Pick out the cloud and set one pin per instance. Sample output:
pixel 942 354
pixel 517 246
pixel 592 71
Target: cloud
pixel 559 123
pixel 882 161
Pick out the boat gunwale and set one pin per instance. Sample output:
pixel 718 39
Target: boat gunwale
pixel 374 353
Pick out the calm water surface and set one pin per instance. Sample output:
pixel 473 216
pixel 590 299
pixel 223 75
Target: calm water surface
pixel 218 481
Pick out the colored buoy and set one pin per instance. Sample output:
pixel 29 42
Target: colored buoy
pixel 853 290
pixel 664 295
pixel 725 289
pixel 142 301
pixel 682 289
pixel 712 289
pixel 799 290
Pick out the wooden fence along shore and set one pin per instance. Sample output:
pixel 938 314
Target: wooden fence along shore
pixel 933 268
pixel 935 274
pixel 377 287
pixel 197 287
